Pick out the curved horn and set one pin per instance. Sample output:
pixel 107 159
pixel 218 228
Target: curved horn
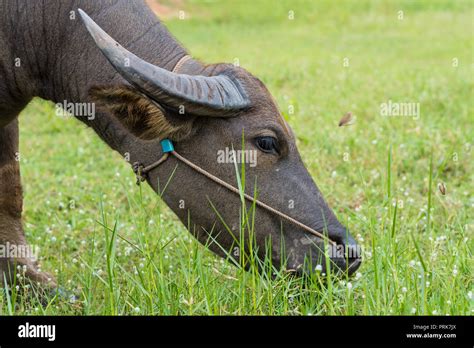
pixel 219 95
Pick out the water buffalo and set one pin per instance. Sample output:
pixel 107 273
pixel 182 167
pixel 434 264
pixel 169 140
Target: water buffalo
pixel 144 87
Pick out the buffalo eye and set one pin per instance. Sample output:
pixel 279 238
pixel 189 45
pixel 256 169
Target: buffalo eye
pixel 267 144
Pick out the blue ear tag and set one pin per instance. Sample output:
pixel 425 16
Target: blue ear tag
pixel 166 145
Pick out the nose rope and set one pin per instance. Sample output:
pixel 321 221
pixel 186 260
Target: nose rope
pixel 167 146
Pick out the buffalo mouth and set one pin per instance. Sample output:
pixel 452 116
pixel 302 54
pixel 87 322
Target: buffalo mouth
pixel 346 257
pixel 341 259
pixel 339 267
pixel 347 265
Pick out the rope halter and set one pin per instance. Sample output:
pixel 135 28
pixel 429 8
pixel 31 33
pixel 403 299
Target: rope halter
pixel 168 149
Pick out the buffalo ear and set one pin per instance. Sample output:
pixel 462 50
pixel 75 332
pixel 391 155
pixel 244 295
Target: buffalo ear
pixel 142 117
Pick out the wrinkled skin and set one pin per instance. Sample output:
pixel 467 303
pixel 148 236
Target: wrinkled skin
pixel 60 61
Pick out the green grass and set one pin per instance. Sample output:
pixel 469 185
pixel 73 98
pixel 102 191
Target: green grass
pixel 125 252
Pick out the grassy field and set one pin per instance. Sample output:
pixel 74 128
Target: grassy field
pixel 380 174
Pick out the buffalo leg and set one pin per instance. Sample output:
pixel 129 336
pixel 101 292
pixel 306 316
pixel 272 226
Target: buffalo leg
pixel 14 250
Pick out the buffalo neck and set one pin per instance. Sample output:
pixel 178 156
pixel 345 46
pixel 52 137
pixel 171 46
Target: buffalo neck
pixel 57 60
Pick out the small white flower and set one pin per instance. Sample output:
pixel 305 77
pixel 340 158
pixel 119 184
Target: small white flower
pixel 413 310
pixel 358 275
pixel 435 312
pixel 137 309
pixel 404 289
pixel 318 268
pixel 412 263
pixel 349 286
pixel 469 294
pixel 455 272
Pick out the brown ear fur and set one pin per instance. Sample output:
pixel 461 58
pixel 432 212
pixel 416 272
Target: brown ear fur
pixel 140 115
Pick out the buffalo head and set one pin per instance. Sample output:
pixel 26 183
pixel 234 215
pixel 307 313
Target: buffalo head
pixel 208 111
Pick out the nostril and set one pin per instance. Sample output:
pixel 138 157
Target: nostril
pixel 341 235
pixel 353 256
pixel 347 252
pixel 354 265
